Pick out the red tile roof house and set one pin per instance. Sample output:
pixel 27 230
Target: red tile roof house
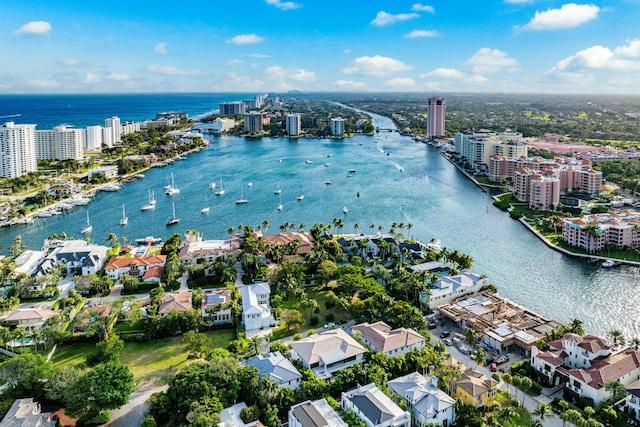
pixel 586 364
pixel 135 266
pixel 179 301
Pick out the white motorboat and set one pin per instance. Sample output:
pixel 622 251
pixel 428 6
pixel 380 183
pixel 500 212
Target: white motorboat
pixel 345 210
pixel 308 162
pixel 173 220
pixel 250 184
pixel 113 186
pixel 205 210
pixel 125 219
pixel 280 205
pixel 609 263
pixel 300 197
pixel 212 186
pixel 88 228
pixel 172 190
pixel 277 191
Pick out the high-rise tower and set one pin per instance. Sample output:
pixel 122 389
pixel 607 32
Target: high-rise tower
pixel 435 117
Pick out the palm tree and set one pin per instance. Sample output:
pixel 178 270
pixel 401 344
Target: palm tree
pixel 480 355
pixel 471 336
pixel 616 388
pixel 635 343
pixel 255 344
pixel 542 411
pixel 616 336
pixel 112 238
pixel 577 326
pixel 265 226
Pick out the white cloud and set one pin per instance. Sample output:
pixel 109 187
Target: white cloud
pixel 568 16
pixel 622 58
pixel 237 82
pixel 376 66
pixel 232 62
pixel 453 74
pixel 171 71
pixel 422 8
pixel 383 18
pixel 242 39
pixel 161 49
pixel 258 55
pixel 518 1
pixel 278 73
pixel 346 51
pixel 44 83
pixel 284 5
pixel 34 28
pixel 91 78
pixel 350 84
pixel 118 77
pixel 487 60
pixel 71 62
pixel 421 33
pixel 401 82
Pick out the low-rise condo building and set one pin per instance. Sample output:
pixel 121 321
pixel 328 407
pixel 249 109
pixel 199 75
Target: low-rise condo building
pixel 594 232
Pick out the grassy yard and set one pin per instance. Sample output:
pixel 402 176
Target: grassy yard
pixel 149 361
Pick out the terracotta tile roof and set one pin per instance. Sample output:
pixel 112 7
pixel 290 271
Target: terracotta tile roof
pixel 155 271
pixel 553 358
pixel 179 301
pixel 121 261
pixel 594 344
pixel 606 369
pixel 383 338
pixel 306 240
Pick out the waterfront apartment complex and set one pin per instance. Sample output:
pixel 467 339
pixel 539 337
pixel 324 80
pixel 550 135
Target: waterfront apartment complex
pixel 294 124
pixel 114 128
pixel 17 150
pixel 253 122
pixel 232 108
pixel 337 126
pixel 435 117
pixel 594 232
pixel 59 143
pixel 477 147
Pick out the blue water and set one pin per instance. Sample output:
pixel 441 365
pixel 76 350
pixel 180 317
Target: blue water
pixel 413 184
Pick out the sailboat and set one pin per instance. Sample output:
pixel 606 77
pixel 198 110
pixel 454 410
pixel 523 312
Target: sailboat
pixel 206 209
pixel 241 200
pixel 152 202
pixel 280 205
pixel 345 210
pixel 171 190
pixel 173 220
pixel 278 191
pixel 125 219
pixel 88 228
pixel 220 192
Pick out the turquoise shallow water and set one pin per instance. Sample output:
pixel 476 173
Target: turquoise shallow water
pixel 413 184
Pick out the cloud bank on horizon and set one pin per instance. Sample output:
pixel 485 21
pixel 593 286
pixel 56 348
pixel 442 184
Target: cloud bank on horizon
pixel 513 46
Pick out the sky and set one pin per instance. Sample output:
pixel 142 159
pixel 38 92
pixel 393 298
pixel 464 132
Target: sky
pixel 506 46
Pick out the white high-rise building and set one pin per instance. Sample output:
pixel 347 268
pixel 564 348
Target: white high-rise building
pixel 294 124
pixel 17 150
pixel 220 125
pixel 59 143
pixel 116 128
pixel 107 137
pixel 435 117
pixel 93 139
pixel 337 126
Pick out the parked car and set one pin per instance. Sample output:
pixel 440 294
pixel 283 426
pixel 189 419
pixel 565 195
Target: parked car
pixel 488 360
pixel 342 322
pixel 502 359
pixel 445 334
pixel 329 325
pixel 432 325
pixel 447 341
pixel 494 367
pixel 464 349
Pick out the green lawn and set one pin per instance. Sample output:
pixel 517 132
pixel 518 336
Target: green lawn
pixel 149 360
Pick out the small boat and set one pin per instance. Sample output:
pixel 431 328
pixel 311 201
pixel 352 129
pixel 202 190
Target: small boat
pixel 280 205
pixel 326 165
pixel 205 210
pixel 148 240
pixel 220 192
pixel 250 184
pixel 327 182
pixel 308 162
pixel 44 214
pixel 277 191
pixel 345 210
pixel 300 197
pixel 173 220
pixel 351 171
pixel 113 186
pixel 171 190
pixel 329 155
pixel 152 202
pixel 608 263
pixel 88 228
pixel 125 219
pixel 212 185
pixel 241 200
pixel 279 160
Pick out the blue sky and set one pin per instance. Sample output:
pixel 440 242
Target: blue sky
pixel 513 46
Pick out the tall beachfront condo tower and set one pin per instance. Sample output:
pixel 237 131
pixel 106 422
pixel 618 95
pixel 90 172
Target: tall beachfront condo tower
pixel 253 122
pixel 294 123
pixel 60 143
pixel 116 129
pixel 337 126
pixel 435 117
pixel 93 140
pixel 17 150
pixel 232 108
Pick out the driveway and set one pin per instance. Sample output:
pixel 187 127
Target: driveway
pixel 133 412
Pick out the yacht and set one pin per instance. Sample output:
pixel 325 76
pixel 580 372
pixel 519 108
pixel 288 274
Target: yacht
pixel 308 162
pixel 171 190
pixel 345 210
pixel 608 263
pixel 326 165
pixel 125 219
pixel 152 203
pixel 351 171
pixel 300 197
pixel 148 240
pixel 45 214
pixel 173 220
pixel 250 184
pixel 205 210
pixel 220 192
pixel 113 186
pixel 88 228
pixel 241 200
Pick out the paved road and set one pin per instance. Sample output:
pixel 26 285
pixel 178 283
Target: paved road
pixel 132 413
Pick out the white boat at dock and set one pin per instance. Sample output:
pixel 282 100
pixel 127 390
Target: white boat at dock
pixel 79 200
pixel 148 240
pixel 112 186
pixel 609 263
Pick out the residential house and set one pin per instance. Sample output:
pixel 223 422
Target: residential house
pixel 180 301
pixel 230 417
pixel 380 337
pixel 427 402
pixel 256 310
pixel 75 254
pixel 448 288
pixel 327 352
pixel 196 251
pixel 474 389
pixel 215 306
pixel 28 262
pixel 135 266
pixel 585 364
pixel 314 414
pixel 633 399
pixel 306 241
pixel 277 368
pixel 26 413
pixel 153 274
pixel 435 267
pixel 374 407
pixel 31 319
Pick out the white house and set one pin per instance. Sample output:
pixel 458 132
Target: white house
pixel 427 402
pixel 374 407
pixel 380 337
pixel 29 261
pixel 586 364
pixel 314 414
pixel 327 352
pixel 449 288
pixel 230 417
pixel 256 310
pixel 76 254
pixel 633 399
pixel 136 266
pixel 277 368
